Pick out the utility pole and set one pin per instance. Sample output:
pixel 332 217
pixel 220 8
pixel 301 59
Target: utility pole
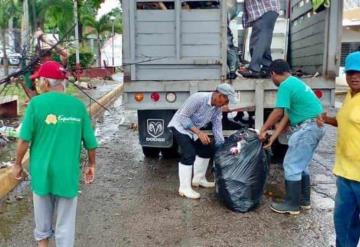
pixel 25 26
pixel 77 47
pixel 112 18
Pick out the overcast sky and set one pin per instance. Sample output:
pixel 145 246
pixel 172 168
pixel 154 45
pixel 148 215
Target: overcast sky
pixel 107 6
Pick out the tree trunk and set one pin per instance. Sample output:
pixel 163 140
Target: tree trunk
pixel 5 58
pixel 99 51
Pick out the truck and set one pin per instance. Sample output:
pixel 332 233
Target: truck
pixel 172 51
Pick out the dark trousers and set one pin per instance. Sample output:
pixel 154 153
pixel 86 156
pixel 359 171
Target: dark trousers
pixel 190 148
pixel 260 41
pixel 346 213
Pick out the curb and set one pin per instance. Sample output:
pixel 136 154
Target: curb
pixel 8 182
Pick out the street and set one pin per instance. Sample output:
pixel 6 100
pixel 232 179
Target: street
pixel 134 202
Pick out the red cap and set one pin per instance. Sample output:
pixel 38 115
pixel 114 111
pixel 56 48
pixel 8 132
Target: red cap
pixel 50 70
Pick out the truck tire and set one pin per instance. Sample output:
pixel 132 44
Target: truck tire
pixel 170 153
pixel 150 152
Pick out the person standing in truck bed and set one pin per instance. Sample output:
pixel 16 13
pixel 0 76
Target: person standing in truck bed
pixel 261 15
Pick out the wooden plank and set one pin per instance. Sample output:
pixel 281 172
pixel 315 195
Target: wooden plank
pixel 155 51
pixel 178 73
pixel 308 51
pixel 295 2
pixel 308 22
pixel 201 51
pixel 155 39
pixel 201 27
pixel 155 15
pixel 308 41
pixel 200 15
pixel 309 31
pixel 155 27
pixel 316 60
pixel 297 12
pixel 201 39
pixel 173 60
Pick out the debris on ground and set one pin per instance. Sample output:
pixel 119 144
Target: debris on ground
pixel 133 126
pixel 7 131
pixel 84 85
pixel 5 164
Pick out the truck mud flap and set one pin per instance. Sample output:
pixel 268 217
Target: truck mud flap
pixel 153 131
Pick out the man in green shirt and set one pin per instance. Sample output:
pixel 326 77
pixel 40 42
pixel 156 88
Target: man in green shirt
pixel 55 126
pixel 297 105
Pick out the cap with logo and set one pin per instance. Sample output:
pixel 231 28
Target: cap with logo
pixel 50 70
pixel 352 62
pixel 228 90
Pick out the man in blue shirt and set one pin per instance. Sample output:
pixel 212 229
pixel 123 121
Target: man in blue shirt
pixel 198 110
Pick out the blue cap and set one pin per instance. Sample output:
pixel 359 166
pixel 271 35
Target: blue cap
pixel 228 90
pixel 352 62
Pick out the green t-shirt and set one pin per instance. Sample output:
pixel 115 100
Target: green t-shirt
pixel 56 125
pixel 298 100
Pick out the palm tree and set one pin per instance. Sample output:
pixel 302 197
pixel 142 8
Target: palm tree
pixel 101 28
pixel 7 11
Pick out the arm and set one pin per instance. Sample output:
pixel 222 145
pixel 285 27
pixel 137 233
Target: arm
pixel 217 129
pixel 329 120
pixel 90 143
pixel 191 105
pixel 279 129
pixel 25 137
pixel 22 147
pixel 274 117
pixel 241 109
pixel 162 6
pixel 89 172
pixel 60 50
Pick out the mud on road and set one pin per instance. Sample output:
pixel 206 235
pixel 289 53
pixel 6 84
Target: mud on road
pixel 134 202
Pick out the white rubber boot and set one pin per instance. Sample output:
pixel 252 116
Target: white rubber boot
pixel 200 168
pixel 185 174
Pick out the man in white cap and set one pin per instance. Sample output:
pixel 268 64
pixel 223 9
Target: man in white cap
pixel 55 126
pixel 196 150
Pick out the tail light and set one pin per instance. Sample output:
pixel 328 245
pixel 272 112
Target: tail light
pixel 155 96
pixel 139 97
pixel 171 97
pixel 319 94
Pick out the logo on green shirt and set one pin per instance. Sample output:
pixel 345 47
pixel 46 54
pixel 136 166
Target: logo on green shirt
pixel 53 119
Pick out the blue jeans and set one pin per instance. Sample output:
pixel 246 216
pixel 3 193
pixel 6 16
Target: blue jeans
pixel 302 145
pixel 346 214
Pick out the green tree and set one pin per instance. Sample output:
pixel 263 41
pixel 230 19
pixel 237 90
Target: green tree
pixel 8 10
pixel 102 28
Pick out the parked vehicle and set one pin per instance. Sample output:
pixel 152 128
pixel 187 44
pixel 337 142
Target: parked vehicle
pixel 171 53
pixel 13 57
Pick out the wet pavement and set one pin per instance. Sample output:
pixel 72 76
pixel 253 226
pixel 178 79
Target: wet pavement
pixel 134 202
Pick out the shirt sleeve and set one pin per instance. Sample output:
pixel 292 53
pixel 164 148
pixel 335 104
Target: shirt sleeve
pixel 88 135
pixel 187 110
pixel 217 128
pixel 283 98
pixel 28 124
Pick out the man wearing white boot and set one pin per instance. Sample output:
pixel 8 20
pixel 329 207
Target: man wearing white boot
pixel 196 147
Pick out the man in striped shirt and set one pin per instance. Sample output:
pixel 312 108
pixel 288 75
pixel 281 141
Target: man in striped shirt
pixel 261 15
pixel 199 110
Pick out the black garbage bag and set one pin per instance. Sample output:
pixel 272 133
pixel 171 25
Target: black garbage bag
pixel 240 178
